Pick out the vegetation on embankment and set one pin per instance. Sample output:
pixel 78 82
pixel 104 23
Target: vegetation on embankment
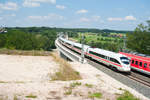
pixel 25 52
pixel 65 72
pixel 127 96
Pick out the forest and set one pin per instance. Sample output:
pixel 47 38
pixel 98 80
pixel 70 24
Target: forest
pixel 28 39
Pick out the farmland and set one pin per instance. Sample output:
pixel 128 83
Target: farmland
pixel 108 41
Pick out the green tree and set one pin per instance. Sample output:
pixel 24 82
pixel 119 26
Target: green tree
pixel 139 40
pixel 2 40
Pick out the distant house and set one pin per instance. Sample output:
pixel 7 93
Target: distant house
pixel 116 35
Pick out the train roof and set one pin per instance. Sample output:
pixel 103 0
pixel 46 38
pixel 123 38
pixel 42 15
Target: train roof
pixel 106 52
pixel 80 45
pixel 74 43
pixel 65 40
pixel 135 56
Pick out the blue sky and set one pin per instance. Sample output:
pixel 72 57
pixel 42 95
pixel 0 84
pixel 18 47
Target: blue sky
pixel 101 14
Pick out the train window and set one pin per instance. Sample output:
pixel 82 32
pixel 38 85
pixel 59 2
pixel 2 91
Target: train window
pixel 149 66
pixel 68 43
pixel 102 56
pixel 132 61
pixel 140 64
pixel 114 60
pixel 125 60
pixel 99 55
pixel 136 62
pixel 77 47
pixel 92 53
pixel 145 65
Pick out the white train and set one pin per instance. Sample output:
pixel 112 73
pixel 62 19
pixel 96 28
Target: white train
pixel 112 59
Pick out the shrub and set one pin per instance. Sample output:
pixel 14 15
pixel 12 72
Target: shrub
pixel 127 96
pixel 65 72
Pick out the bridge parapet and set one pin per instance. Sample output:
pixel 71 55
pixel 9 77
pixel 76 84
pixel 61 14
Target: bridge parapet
pixel 68 53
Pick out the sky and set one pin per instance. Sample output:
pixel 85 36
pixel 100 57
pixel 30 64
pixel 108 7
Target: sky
pixel 100 14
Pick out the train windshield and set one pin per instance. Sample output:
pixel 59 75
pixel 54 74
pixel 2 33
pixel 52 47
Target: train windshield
pixel 124 60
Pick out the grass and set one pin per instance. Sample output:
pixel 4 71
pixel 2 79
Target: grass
pixel 77 72
pixel 65 72
pixel 120 89
pixel 26 53
pixel 12 82
pixel 75 84
pixel 95 95
pixel 71 87
pixel 68 92
pixel 15 98
pixel 3 82
pixel 127 96
pixel 31 96
pixel 89 85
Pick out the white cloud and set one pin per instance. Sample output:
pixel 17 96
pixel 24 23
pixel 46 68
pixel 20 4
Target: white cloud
pixel 82 11
pixel 114 19
pixel 130 18
pixel 60 7
pixel 95 18
pixel 36 3
pixel 45 1
pixel 83 19
pixel 90 19
pixel 27 3
pixel 47 17
pixel 9 6
pixel 121 19
pixel 35 17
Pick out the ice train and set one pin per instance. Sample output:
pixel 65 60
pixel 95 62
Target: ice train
pixel 114 60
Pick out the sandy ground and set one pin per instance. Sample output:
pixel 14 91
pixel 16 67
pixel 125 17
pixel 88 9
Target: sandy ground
pixel 22 76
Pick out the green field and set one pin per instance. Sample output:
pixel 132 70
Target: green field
pixel 111 41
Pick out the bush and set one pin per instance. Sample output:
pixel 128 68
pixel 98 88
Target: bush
pixel 127 96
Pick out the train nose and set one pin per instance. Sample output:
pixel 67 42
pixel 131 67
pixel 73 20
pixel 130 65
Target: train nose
pixel 127 68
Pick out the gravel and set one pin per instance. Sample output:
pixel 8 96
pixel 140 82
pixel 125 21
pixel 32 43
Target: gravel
pixel 145 90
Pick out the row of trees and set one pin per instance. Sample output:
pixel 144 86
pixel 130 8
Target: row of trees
pixel 20 40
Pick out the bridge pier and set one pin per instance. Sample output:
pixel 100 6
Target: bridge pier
pixel 64 57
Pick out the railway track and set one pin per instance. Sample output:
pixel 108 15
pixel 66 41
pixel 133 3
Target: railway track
pixel 139 78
